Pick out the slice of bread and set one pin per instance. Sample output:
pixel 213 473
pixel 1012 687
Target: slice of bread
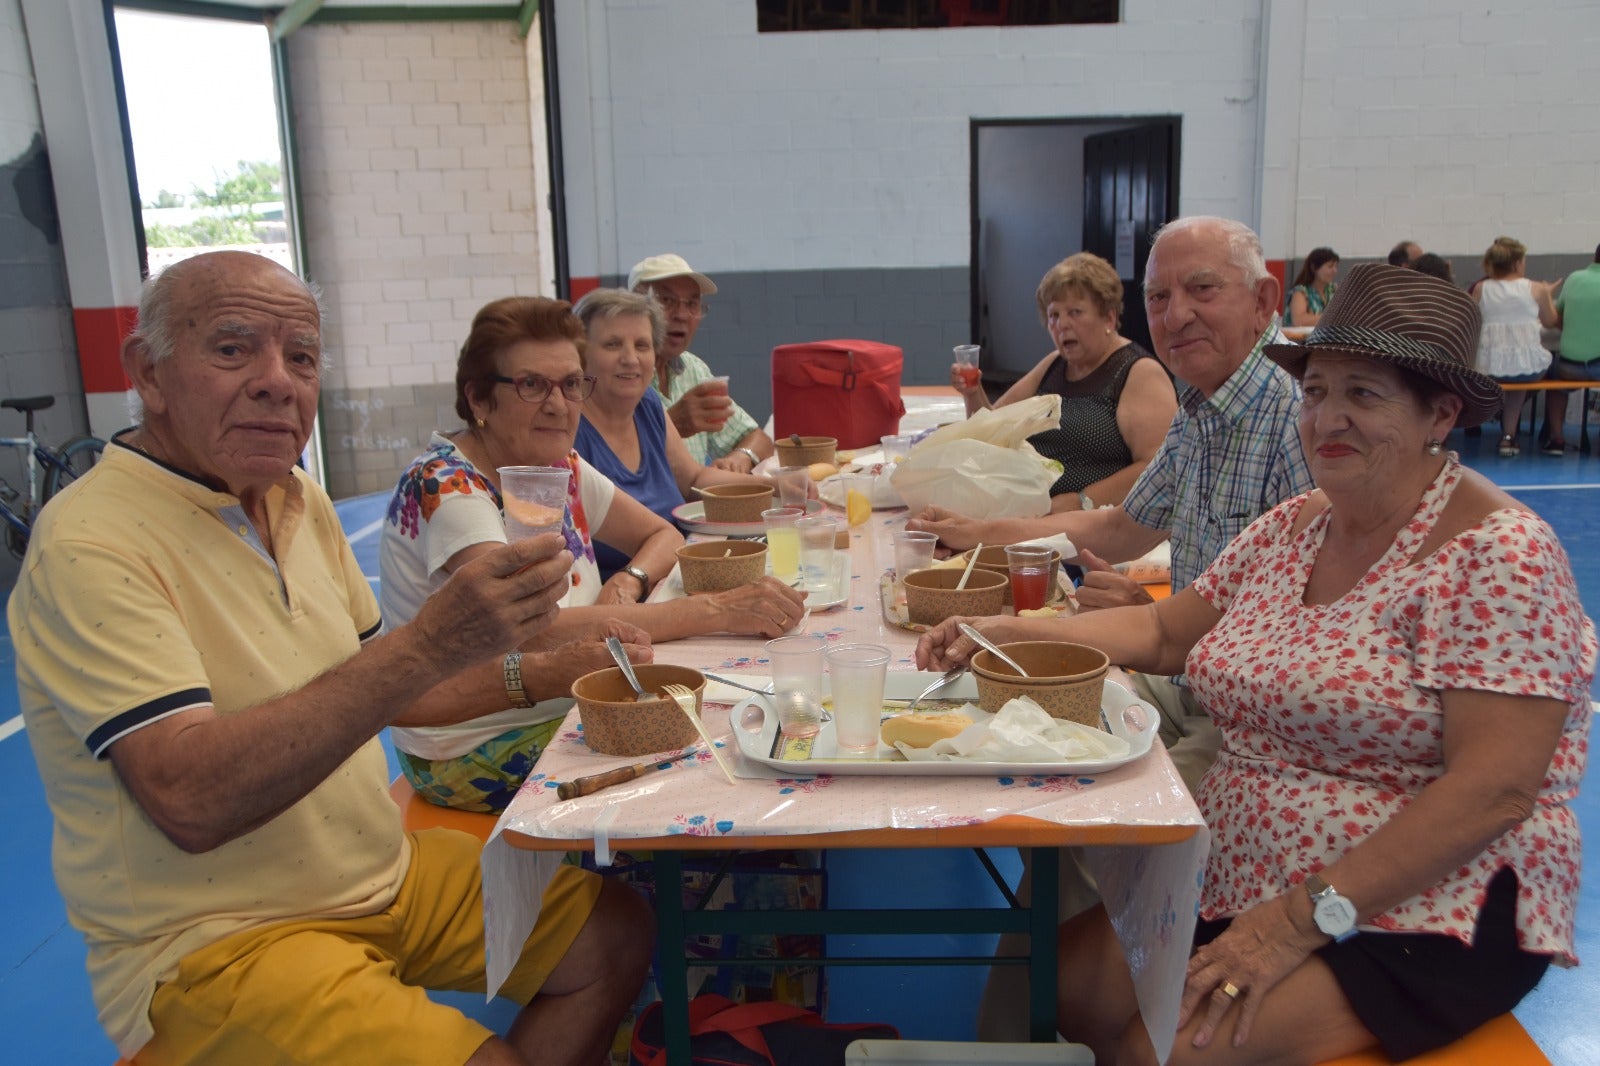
pixel 919 730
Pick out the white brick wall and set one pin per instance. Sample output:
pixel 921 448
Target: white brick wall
pixel 417 181
pixel 686 129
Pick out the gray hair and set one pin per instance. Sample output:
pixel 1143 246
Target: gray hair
pixel 606 304
pixel 1244 247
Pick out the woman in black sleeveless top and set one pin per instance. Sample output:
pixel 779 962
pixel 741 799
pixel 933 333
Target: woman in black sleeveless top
pixel 1116 398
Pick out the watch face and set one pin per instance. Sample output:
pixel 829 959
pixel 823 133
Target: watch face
pixel 1334 915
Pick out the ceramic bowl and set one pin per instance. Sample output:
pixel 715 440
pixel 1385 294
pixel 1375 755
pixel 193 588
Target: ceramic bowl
pixel 932 596
pixel 735 503
pixel 717 565
pixel 614 724
pixel 809 450
pixel 994 558
pixel 1066 679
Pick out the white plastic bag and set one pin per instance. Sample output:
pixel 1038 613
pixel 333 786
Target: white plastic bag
pixel 984 467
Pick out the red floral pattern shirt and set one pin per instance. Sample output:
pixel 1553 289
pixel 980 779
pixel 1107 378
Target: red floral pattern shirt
pixel 1331 714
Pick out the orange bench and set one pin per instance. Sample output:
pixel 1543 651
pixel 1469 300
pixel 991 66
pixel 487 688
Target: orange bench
pixel 417 813
pixel 1552 385
pixel 1502 1042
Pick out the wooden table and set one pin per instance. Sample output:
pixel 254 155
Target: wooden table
pixel 1148 840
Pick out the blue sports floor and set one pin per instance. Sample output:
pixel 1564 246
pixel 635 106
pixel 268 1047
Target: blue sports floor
pixel 47 1016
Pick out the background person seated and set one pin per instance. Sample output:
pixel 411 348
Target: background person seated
pixel 203 681
pixel 519 384
pixel 1313 287
pixel 1399 664
pixel 716 430
pixel 1510 349
pixel 1116 400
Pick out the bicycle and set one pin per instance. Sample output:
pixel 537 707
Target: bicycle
pixel 60 467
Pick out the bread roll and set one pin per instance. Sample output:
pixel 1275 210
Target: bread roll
pixel 818 471
pixel 923 730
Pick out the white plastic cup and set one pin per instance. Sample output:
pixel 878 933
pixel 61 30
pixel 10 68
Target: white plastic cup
pixel 913 550
pixel 783 542
pixel 817 552
pixel 535 499
pixel 794 485
pixel 857 672
pixel 797 665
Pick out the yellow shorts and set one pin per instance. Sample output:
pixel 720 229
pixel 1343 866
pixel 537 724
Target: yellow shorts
pixel 350 990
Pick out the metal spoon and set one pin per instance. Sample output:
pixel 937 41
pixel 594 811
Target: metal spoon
pixel 949 676
pixel 990 646
pixel 614 646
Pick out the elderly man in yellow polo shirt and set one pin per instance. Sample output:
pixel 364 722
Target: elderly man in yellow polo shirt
pixel 203 677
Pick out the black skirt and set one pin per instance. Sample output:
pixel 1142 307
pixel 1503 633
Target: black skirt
pixel 1420 991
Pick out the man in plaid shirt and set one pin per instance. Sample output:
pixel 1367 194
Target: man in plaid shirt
pixel 1232 453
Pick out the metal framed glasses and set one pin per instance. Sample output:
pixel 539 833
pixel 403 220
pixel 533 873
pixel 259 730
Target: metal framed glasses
pixel 670 304
pixel 531 388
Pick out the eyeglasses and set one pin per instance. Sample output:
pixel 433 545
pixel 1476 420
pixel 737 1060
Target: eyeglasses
pixel 531 388
pixel 671 304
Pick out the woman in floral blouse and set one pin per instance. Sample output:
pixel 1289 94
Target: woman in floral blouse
pixel 520 385
pixel 1399 665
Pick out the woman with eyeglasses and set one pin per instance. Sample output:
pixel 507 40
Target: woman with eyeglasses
pixel 521 386
pixel 625 431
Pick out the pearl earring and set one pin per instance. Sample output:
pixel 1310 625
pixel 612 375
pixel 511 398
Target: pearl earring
pixel 1435 447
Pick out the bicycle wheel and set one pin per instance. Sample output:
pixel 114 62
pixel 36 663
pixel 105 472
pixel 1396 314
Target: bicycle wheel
pixel 71 461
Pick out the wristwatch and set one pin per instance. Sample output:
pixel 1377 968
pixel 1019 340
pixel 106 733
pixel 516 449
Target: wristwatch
pixel 644 580
pixel 755 460
pixel 1334 914
pixel 512 666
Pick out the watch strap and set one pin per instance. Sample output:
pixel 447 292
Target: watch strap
pixel 512 666
pixel 755 460
pixel 643 579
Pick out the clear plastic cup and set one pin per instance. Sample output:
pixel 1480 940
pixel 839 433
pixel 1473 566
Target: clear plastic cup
pixel 817 552
pixel 1030 575
pixel 857 672
pixel 966 356
pixel 913 550
pixel 797 665
pixel 794 485
pixel 783 542
pixel 896 447
pixel 535 499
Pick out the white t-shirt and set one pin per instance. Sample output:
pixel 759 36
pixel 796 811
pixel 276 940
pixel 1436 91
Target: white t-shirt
pixel 441 506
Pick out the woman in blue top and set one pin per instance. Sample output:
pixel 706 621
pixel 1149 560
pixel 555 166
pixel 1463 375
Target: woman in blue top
pixel 1313 287
pixel 625 432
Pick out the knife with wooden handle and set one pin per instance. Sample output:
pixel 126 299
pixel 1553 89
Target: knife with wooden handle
pixel 588 786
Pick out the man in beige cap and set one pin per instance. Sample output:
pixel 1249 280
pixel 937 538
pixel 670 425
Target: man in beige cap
pixel 718 431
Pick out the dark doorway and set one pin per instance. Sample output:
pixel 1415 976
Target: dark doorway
pixel 1037 198
pixel 1129 190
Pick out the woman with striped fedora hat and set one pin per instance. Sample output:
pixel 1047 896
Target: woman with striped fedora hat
pixel 1399 666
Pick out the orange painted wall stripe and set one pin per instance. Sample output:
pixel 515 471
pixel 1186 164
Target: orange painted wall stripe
pixel 578 288
pixel 100 334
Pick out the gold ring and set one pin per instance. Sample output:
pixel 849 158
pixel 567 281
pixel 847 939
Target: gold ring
pixel 1231 990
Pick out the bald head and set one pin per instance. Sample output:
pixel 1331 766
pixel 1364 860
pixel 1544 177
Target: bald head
pixel 197 276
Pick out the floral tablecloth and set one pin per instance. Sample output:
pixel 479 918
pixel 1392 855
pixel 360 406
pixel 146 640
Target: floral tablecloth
pixel 1151 891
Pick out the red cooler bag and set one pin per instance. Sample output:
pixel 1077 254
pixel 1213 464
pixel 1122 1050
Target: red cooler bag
pixel 846 389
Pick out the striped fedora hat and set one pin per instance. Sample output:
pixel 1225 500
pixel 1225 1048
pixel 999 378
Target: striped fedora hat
pixel 1417 322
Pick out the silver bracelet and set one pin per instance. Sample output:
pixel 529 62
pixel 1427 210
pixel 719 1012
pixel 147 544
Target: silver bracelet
pixel 755 460
pixel 513 674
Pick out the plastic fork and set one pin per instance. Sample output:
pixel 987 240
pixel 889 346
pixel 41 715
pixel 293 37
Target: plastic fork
pixel 949 676
pixel 683 696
